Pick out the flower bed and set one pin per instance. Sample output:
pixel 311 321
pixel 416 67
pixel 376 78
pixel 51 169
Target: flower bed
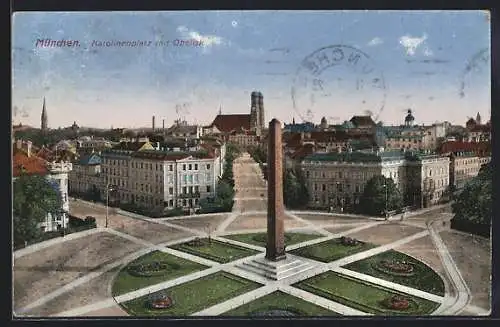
pixel 159 301
pixel 274 313
pixel 397 302
pixel 197 242
pixel 349 241
pixel 152 269
pixel 396 268
pixel 263 238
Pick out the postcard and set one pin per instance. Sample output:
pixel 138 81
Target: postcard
pixel 251 164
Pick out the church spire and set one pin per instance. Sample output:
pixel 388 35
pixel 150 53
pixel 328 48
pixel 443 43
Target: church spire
pixel 220 109
pixel 44 118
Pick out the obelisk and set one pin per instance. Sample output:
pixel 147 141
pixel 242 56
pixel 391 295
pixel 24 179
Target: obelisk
pixel 275 249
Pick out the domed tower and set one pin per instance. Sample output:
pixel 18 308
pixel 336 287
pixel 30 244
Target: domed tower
pixel 260 111
pixel 409 119
pixel 75 128
pixel 324 123
pixel 254 119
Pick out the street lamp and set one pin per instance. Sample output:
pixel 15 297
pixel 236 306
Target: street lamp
pixel 386 198
pixel 109 188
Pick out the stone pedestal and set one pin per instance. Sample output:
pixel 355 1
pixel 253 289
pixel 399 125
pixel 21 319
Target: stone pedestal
pixel 276 270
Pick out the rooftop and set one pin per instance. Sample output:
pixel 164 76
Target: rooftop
pixel 229 123
pixel 30 165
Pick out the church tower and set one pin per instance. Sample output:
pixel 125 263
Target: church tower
pixel 478 119
pixel 254 118
pixel 44 118
pixel 260 111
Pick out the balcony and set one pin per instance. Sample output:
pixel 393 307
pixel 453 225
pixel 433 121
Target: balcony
pixel 189 195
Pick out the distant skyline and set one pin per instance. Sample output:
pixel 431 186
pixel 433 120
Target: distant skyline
pixel 433 62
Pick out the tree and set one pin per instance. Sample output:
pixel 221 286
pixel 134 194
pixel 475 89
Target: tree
pixel 295 193
pixel 375 200
pixel 474 203
pixel 33 198
pixel 258 153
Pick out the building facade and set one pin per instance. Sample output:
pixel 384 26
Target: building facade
pixel 464 166
pixel 85 178
pixel 159 180
pixel 338 179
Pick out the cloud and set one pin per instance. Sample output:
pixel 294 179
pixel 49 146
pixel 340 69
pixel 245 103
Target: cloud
pixel 206 40
pixel 375 41
pixel 411 43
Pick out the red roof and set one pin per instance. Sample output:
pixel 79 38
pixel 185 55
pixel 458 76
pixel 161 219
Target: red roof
pixel 229 123
pixel 479 148
pixel 31 165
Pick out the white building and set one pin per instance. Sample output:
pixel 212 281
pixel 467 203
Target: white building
pixel 58 177
pixel 158 179
pixel 24 162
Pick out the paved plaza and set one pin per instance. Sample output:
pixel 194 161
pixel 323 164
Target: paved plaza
pixel 73 276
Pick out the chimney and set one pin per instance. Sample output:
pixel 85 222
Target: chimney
pixel 153 125
pixel 163 125
pixel 28 148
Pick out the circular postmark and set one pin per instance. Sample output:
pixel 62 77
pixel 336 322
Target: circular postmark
pixel 338 76
pixel 476 71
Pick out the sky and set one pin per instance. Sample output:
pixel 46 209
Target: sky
pixel 433 62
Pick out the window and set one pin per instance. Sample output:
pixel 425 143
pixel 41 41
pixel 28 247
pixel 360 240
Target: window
pixel 190 178
pixel 170 190
pixel 208 166
pixel 195 166
pixel 208 188
pixel 323 187
pixel 191 190
pixel 170 203
pixel 190 167
pixel 171 167
pixel 184 190
pixel 184 167
pixel 196 178
pixel 196 189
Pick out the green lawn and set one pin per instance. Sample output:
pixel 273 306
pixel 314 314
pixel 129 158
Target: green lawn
pixel 195 295
pixel 125 282
pixel 216 251
pixel 280 301
pixel 362 295
pixel 260 239
pixel 424 278
pixel 330 250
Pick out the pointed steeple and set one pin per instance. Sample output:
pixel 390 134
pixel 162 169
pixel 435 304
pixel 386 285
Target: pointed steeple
pixel 220 109
pixel 44 118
